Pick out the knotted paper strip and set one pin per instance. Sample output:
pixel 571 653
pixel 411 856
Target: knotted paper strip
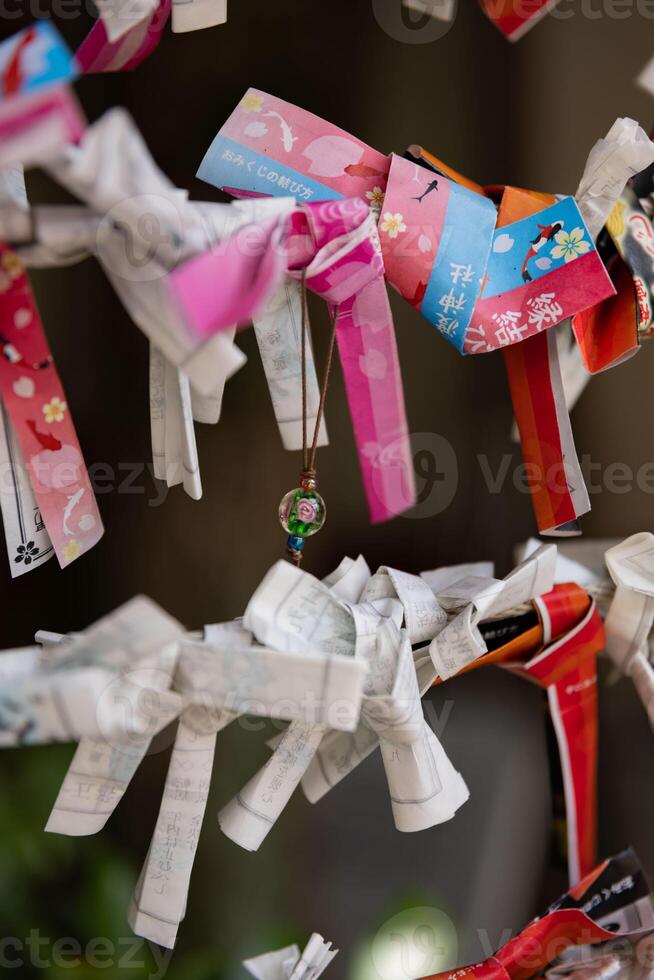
pixel 221 679
pixel 335 247
pixel 567 670
pixel 296 613
pixel 461 642
pixel 612 903
pixel 340 754
pixel 424 787
pixel 110 682
pixel 112 171
pixel 278 329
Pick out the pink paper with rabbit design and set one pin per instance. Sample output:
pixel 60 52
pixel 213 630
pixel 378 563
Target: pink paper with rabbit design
pixel 35 400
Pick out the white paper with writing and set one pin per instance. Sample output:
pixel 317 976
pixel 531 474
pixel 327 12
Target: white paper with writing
pixel 300 601
pixel 341 753
pixel 159 901
pixel 320 689
pixel 278 329
pixel 460 643
pixel 111 681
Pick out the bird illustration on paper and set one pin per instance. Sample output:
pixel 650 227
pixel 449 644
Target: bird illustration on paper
pixel 428 189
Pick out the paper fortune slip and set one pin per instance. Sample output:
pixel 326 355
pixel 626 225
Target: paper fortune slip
pixel 612 905
pixel 291 964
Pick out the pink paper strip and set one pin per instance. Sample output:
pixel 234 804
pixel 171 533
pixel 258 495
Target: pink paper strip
pixel 250 270
pixel 98 54
pixel 368 352
pixel 300 142
pixel 32 124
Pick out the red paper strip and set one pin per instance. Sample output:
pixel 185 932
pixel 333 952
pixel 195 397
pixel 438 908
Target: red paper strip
pixel 36 402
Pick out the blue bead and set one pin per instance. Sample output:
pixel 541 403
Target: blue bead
pixel 295 542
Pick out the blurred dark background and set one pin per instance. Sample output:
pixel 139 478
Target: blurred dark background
pixel 525 114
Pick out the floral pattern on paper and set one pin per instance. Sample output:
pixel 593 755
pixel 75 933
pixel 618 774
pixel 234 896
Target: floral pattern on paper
pixel 252 102
pixel 393 224
pixel 54 410
pixel 570 245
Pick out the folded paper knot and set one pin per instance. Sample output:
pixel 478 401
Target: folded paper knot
pixel 345 259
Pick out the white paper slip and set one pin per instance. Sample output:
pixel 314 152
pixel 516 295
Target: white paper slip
pixel 290 964
pixel 439 578
pixel 94 785
pixel 349 579
pixel 567 569
pixel 292 610
pixel 424 787
pixel 631 614
pixel 461 642
pixel 111 681
pixel 440 9
pixel 196 15
pixel 321 689
pixel 174 451
pixel 159 901
pixel 278 329
pixel 250 815
pixel 424 616
pixel 646 77
pixel 207 407
pixel 642 674
pixel 625 150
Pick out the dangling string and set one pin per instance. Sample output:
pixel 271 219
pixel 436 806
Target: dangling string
pixel 302 511
pixel 309 459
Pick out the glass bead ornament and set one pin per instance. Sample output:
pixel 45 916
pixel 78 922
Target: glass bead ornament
pixel 302 513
